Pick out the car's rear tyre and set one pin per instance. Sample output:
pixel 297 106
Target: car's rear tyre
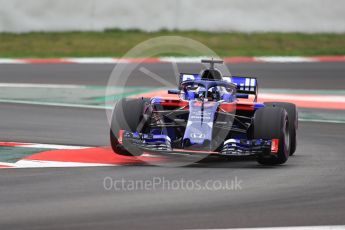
pixel 273 123
pixel 293 121
pixel 127 115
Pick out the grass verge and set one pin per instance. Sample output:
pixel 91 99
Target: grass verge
pixel 115 43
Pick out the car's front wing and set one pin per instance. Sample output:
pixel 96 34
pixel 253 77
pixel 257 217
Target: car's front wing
pixel 231 147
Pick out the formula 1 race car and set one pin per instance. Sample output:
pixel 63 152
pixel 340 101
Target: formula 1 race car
pixel 207 113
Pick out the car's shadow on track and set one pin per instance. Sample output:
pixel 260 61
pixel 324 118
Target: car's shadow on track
pixel 219 162
pixel 236 162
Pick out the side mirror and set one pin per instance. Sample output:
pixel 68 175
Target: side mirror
pixel 174 91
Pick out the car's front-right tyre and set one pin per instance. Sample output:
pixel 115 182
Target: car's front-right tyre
pixel 127 115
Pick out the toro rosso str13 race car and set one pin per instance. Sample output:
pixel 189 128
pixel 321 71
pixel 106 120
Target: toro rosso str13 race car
pixel 208 113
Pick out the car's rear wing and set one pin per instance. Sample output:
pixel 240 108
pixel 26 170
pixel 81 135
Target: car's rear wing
pixel 244 85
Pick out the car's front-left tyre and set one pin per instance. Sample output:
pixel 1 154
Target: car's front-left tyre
pixel 272 123
pixel 293 121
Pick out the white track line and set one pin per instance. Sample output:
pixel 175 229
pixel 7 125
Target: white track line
pixel 282 59
pixel 307 98
pixel 48 146
pixel 182 59
pixel 7 164
pixel 23 102
pixel 101 60
pixel 49 86
pixel 329 227
pixel 40 146
pixel 55 164
pixel 322 121
pixel 110 60
pixel 11 61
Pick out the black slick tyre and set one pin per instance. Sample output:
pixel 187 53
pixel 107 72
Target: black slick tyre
pixel 127 115
pixel 272 123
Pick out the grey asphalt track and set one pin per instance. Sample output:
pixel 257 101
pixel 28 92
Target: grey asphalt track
pixel 308 190
pixel 270 75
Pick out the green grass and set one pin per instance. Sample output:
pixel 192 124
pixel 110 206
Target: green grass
pixel 115 43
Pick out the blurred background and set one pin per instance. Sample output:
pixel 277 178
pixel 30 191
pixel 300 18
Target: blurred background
pixel 306 16
pixel 48 28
